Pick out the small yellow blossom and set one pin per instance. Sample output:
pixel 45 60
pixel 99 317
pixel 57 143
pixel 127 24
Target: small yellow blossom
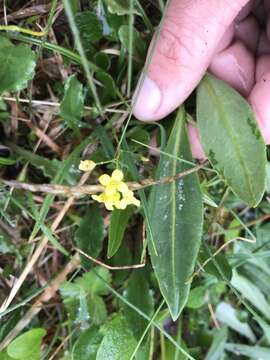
pixel 87 165
pixel 116 192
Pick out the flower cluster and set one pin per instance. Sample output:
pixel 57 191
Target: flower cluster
pixel 116 192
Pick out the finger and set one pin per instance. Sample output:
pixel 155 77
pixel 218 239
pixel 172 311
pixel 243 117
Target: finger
pixel 259 100
pixel 236 66
pixel 189 36
pixel 196 146
pixel 226 38
pixel 262 66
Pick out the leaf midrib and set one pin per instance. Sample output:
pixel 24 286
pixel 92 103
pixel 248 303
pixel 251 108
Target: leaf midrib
pixel 221 110
pixel 173 233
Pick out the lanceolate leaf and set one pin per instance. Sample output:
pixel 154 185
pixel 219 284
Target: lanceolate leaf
pixel 176 220
pixel 231 139
pixel 118 224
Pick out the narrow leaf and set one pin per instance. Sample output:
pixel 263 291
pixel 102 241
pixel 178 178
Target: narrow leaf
pixel 118 224
pixel 231 139
pixel 175 211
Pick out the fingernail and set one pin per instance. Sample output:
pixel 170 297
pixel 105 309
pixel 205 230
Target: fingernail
pixel 146 100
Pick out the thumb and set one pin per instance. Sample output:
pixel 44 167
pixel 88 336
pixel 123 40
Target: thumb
pixel 181 53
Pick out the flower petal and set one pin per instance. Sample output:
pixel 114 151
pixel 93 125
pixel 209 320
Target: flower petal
pixel 117 175
pixel 104 179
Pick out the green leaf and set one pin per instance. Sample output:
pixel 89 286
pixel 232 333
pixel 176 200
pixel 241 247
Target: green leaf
pixel 91 281
pixel 4 356
pixel 139 295
pixel 27 346
pixel 175 211
pixel 227 315
pixel 97 310
pixel 138 44
pixel 252 352
pixel 118 224
pixel 196 297
pixel 118 342
pixel 48 167
pixel 217 348
pixel 71 107
pixel 90 234
pixel 6 245
pixel 231 139
pixel 87 345
pixel 107 90
pixel 121 7
pixel 82 298
pixel 252 293
pixel 6 161
pixel 89 26
pixel 17 66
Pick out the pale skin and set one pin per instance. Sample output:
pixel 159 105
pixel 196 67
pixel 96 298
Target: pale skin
pixel 229 38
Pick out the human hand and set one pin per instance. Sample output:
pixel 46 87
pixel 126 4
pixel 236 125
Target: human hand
pixel 230 38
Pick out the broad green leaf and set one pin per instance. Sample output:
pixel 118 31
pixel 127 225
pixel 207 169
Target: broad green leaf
pixel 82 298
pixel 4 356
pixel 97 309
pixel 108 90
pixel 87 345
pixel 118 224
pixel 196 297
pixel 252 352
pixel 175 211
pixel 121 7
pixel 138 44
pixel 71 107
pixel 92 283
pixel 138 285
pixel 27 346
pixel 90 234
pixel 6 245
pixel 227 315
pixel 231 139
pixel 89 26
pixel 17 66
pixel 217 348
pixel 118 342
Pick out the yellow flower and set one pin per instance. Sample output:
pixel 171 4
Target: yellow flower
pixel 116 192
pixel 87 165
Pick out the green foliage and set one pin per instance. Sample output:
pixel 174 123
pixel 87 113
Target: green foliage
pixel 118 342
pixel 118 224
pixel 87 345
pixel 71 108
pixel 123 313
pixel 121 7
pixel 138 285
pixel 176 221
pixel 26 346
pixel 90 234
pixel 231 139
pixel 83 299
pixel 17 65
